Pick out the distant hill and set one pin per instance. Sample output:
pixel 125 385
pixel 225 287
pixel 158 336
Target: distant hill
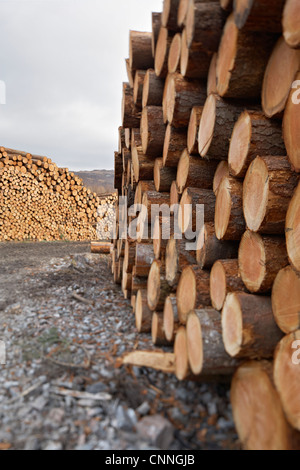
pixel 98 181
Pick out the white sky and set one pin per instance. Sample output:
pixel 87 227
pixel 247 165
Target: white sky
pixel 63 63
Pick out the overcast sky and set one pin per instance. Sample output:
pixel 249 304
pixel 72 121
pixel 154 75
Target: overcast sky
pixel 63 62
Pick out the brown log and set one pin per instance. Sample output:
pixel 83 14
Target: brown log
pixel 153 198
pixel 130 73
pixel 141 188
pixel 249 328
pixel 195 172
pixel 143 165
pixel 192 292
pixel 182 369
pixel 279 75
pixel 244 62
pixel 212 75
pixel 122 143
pixel 153 89
pixel 253 135
pixel 156 25
pixel 162 52
pixel 170 317
pixel 205 348
pixel 191 199
pixel 158 288
pixel 286 300
pixel 161 361
pixel 138 88
pixel 153 131
pixel 229 218
pixel 131 115
pixel 133 303
pixel 260 259
pixel 144 257
pixel 204 24
pixel 169 17
pixel 138 282
pixel 268 188
pixel 194 60
pixel 174 196
pixel 140 51
pixel 287 376
pixel 210 249
pixel 292 230
pixel 163 176
pixel 174 54
pixel 180 96
pixel 257 410
pixel 143 315
pixel 291 126
pixel 118 164
pixel 129 256
pixel 183 10
pixel 290 24
pixel 193 130
pixel 216 126
pixel 157 330
pixel 101 247
pixel 224 278
pixel 162 232
pixel 221 172
pixel 174 145
pixel 177 258
pixel 126 156
pixel 258 15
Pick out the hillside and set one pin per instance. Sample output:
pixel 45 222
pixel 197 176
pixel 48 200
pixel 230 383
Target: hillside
pixel 98 181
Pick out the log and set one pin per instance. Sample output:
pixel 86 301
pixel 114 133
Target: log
pixel 131 115
pixel 229 218
pixel 143 315
pixel 174 145
pixel 130 73
pixel 122 143
pixel 157 330
pixel 183 10
pixel 163 362
pixel 156 25
pixel 279 75
pixel 193 130
pixel 292 230
pixel 169 17
pixel 268 188
pixel 138 88
pixel 210 249
pixel 153 131
pixel 192 292
pixel 253 135
pixel 287 376
pixel 212 75
pixel 174 54
pixel 180 96
pixel 204 24
pixel 290 24
pixel 101 247
pixel 194 60
pixel 290 127
pixel 143 165
pixel 153 89
pixel 162 52
pixel 182 369
pixel 128 138
pixel 257 410
pixel 174 196
pixel 206 353
pixel 158 288
pixel 195 172
pixel 140 51
pixel 222 171
pixel 141 188
pixel 118 170
pixel 243 62
pixel 248 326
pixel 162 232
pixel 129 256
pixel 153 198
pixel 260 259
pixel 163 176
pixel 177 258
pixel 171 320
pixel 286 300
pixel 191 199
pixel 258 15
pixel 144 257
pixel 216 126
pixel 138 282
pixel 224 278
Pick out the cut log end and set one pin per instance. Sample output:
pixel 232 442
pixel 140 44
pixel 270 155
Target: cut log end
pixel 218 287
pixel 232 325
pixel 223 209
pixel 169 318
pixel 291 123
pixel 186 292
pixel 239 145
pixel 183 171
pixel 161 51
pixel 194 346
pixel 221 172
pixel 226 56
pixel 153 290
pixel 255 194
pixel 207 125
pixel 252 261
pixel 286 300
pixel 143 315
pixel 174 54
pixel 181 355
pixel 293 230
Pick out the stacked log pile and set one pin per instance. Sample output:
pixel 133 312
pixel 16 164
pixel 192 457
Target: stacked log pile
pixel 196 131
pixel 41 202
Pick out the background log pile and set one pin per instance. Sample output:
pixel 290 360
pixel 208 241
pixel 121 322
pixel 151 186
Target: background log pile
pixel 39 201
pixel 196 131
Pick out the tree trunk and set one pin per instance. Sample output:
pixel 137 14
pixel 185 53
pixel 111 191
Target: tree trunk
pixel 141 188
pixel 131 115
pixel 158 288
pixel 260 260
pixel 174 54
pixel 157 330
pixel 171 320
pixel 170 15
pixel 143 315
pixel 286 300
pixel 192 292
pixel 210 249
pixel 138 88
pixel 156 25
pixel 224 278
pixel 229 218
pixel 161 361
pixel 144 257
pixel 194 60
pixel 162 52
pixel 191 199
pixel 163 176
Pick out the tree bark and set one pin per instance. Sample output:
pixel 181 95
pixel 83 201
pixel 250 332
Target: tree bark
pixel 153 131
pixel 131 115
pixel 177 258
pixel 210 249
pixel 158 288
pixel 259 15
pixel 174 145
pixel 194 60
pixel 191 199
pixel 163 176
pixel 144 257
pixel 195 172
pixel 153 89
pixel 156 25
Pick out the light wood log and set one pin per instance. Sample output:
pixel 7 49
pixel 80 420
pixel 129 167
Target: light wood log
pixel 153 131
pixel 177 258
pixel 212 75
pixel 210 249
pixel 163 176
pixel 174 54
pixel 182 369
pixel 291 125
pixel 290 23
pixel 195 172
pixel 292 230
pixel 224 278
pixel 192 292
pixel 143 315
pixel 286 300
pixel 192 202
pixel 229 218
pixel 161 361
pixel 171 320
pixel 162 52
pixel 158 288
pixel 193 130
pixel 222 171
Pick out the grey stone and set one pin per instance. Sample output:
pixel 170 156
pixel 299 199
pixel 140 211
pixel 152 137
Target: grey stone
pixel 52 445
pixel 96 388
pixel 123 419
pixel 143 409
pixel 212 408
pixel 157 430
pixel 39 403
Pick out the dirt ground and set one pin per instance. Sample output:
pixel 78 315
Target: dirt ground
pixel 62 386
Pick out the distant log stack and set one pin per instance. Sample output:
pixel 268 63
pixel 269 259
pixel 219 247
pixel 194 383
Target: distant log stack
pixel 39 201
pixel 218 180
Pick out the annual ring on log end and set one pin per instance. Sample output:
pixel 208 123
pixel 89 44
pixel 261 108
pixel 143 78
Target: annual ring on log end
pixel 232 325
pixel 239 144
pixel 226 56
pixel 174 54
pixel 194 343
pixel 218 285
pixel 207 125
pixel 221 172
pixel 252 263
pixel 223 209
pixel 186 301
pixel 255 194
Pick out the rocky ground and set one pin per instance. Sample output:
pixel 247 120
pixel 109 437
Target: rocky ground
pixel 65 327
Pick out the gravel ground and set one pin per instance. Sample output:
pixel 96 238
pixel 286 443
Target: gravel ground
pixel 63 387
